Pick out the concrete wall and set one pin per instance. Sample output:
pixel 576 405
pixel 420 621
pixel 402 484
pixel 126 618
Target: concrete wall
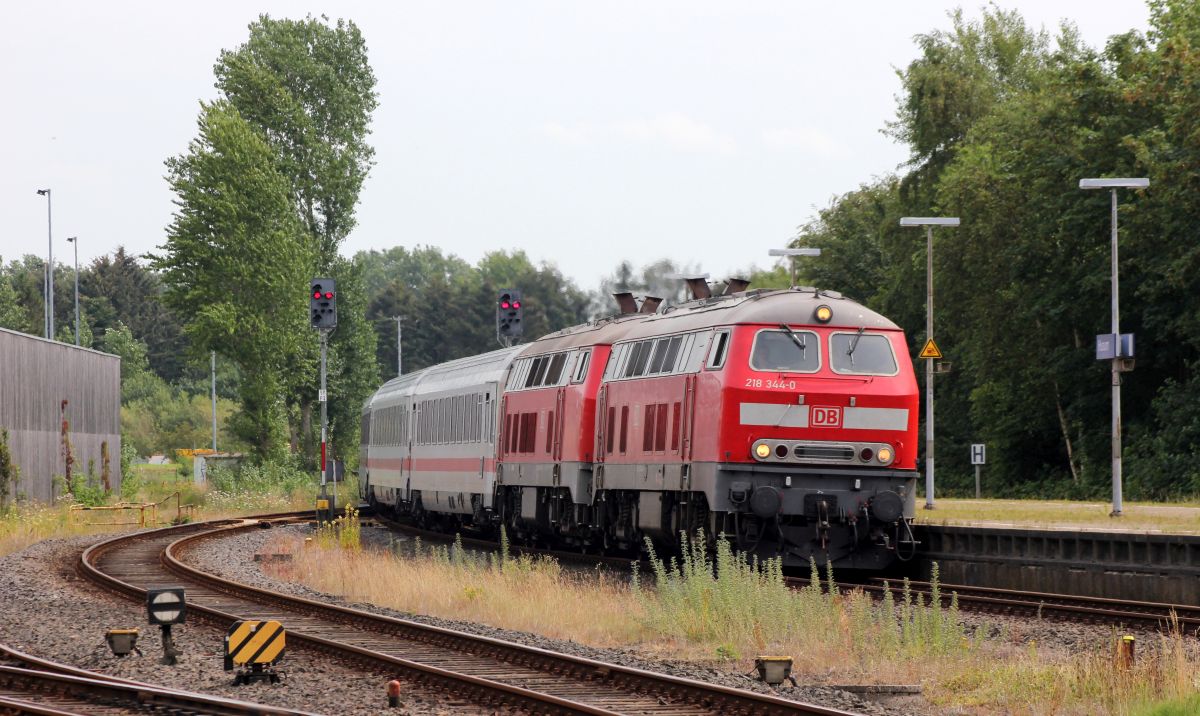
pixel 36 376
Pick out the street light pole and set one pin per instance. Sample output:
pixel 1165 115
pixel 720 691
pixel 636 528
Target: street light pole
pixel 792 254
pixel 1112 185
pixel 75 240
pixel 49 267
pixel 214 399
pixel 929 222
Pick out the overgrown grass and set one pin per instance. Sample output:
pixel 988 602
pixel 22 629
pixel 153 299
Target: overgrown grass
pixel 270 488
pixel 523 593
pixel 1168 517
pixel 725 608
pixel 738 607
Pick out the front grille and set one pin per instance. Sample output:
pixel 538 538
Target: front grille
pixel 842 453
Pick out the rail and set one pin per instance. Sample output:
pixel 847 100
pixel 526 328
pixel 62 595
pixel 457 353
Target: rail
pixel 484 669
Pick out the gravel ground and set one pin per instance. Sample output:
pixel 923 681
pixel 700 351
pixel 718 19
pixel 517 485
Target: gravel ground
pixel 45 610
pixel 233 559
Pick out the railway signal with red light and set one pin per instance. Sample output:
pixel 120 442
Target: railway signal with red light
pixel 509 322
pixel 322 304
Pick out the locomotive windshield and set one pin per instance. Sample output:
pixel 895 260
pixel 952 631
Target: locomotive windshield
pixel 861 354
pixel 788 351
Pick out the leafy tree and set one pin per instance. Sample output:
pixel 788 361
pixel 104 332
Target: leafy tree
pixel 120 289
pixel 234 257
pixel 307 88
pixel 11 314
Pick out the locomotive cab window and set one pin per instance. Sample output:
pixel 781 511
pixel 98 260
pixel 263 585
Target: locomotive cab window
pixel 786 351
pixel 862 354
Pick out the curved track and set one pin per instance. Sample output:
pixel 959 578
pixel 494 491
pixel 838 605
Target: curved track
pixel 479 669
pixel 31 685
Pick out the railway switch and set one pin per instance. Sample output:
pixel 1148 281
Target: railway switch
pixel 253 648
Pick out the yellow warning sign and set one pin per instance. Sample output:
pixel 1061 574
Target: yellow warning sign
pixel 253 643
pixel 930 350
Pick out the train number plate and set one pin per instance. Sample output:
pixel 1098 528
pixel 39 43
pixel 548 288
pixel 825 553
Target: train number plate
pixel 826 416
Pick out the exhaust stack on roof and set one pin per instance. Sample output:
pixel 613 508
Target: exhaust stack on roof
pixel 625 302
pixel 650 304
pixel 699 287
pixel 735 285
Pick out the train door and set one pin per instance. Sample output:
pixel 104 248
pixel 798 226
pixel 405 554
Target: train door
pixel 560 401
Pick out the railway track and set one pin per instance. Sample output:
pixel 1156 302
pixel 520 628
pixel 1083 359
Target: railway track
pixel 1092 610
pixel 30 685
pixel 477 669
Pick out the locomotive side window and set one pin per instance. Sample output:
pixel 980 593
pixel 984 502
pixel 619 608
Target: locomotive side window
pixel 661 346
pixel 790 351
pixel 716 355
pixel 581 366
pixel 554 372
pixel 862 354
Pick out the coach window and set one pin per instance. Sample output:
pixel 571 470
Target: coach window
pixel 581 366
pixel 716 354
pixel 789 351
pixel 861 354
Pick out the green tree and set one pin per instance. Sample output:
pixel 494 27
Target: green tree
pixel 233 261
pixel 307 88
pixel 11 314
pixel 120 289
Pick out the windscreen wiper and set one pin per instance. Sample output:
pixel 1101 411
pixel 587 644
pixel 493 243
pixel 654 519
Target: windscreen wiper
pixel 854 343
pixel 797 339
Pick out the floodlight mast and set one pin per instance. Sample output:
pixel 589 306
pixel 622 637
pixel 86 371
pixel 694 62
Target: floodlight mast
pixel 929 222
pixel 1112 184
pixel 791 253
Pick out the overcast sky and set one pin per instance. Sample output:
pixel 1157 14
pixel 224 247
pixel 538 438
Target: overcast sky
pixel 582 133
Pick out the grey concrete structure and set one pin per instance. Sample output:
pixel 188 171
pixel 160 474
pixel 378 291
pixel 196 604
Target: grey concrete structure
pixel 36 377
pixel 1144 566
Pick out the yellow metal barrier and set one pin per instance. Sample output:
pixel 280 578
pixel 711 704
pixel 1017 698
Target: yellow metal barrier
pixel 129 514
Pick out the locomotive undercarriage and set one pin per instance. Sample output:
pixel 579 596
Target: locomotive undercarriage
pixel 850 519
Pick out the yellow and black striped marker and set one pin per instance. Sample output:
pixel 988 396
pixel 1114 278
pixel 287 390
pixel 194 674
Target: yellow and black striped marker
pixel 253 643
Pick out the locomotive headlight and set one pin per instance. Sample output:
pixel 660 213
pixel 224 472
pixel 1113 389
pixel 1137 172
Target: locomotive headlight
pixel 884 455
pixel 823 314
pixel 762 451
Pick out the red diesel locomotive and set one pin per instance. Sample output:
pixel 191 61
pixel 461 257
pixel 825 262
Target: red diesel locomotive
pixel 784 420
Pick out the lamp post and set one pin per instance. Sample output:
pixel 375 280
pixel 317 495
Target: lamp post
pixel 929 222
pixel 1112 185
pixel 75 240
pixel 791 253
pixel 49 268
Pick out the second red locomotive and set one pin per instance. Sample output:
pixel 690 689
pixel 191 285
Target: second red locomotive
pixel 784 420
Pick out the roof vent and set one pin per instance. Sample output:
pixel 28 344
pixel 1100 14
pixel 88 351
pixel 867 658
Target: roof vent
pixel 650 304
pixel 699 287
pixel 735 285
pixel 625 302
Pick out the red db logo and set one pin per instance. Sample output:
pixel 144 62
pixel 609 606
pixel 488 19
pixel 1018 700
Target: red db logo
pixel 826 417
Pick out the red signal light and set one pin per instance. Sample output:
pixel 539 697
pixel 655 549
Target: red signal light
pixel 316 294
pixel 504 304
pixel 516 304
pixel 329 294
